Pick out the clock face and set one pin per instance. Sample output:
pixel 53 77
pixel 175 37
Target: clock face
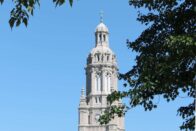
pixel 97 117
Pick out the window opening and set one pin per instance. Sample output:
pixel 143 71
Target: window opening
pixel 99 99
pixel 95 99
pixel 104 38
pixel 107 57
pixel 100 37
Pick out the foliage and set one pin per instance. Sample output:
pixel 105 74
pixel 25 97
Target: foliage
pixel 25 8
pixel 165 64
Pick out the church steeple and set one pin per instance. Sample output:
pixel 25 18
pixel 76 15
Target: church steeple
pixel 101 80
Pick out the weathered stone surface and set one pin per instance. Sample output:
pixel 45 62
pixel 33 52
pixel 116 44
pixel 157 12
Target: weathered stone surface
pixel 101 80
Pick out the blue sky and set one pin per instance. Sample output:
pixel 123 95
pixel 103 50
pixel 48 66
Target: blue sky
pixel 42 66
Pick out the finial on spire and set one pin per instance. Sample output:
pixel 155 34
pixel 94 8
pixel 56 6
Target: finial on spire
pixel 101 16
pixel 82 93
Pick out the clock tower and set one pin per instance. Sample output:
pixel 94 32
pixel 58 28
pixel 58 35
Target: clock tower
pixel 101 80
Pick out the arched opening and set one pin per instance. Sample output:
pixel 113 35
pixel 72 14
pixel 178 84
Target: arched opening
pixel 104 38
pixel 108 57
pixel 98 83
pixel 107 84
pixel 98 57
pixel 95 99
pixel 100 38
pixel 99 99
pixel 88 119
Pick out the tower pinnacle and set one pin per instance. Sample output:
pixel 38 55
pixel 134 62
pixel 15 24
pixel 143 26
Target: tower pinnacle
pixel 82 94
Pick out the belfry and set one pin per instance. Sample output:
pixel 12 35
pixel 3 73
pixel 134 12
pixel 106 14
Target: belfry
pixel 101 80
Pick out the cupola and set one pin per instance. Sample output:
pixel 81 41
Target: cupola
pixel 101 34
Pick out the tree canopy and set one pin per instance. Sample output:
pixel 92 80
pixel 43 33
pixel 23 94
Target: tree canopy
pixel 23 9
pixel 165 61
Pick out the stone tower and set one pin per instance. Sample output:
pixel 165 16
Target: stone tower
pixel 101 80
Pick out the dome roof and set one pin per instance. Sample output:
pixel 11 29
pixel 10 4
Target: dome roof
pixel 102 50
pixel 102 28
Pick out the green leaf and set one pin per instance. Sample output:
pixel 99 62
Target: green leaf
pixel 11 22
pixel 25 21
pixel 18 22
pixel 71 2
pixel 1 1
pixel 59 2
